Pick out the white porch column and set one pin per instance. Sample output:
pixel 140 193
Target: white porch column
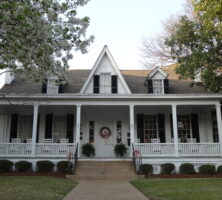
pixel 131 128
pixel 175 130
pixel 219 125
pixel 78 122
pixel 34 128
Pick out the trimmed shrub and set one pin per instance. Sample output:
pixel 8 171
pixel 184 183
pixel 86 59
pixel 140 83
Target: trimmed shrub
pixel 64 166
pixel 207 169
pixel 146 169
pixel 219 169
pixel 5 166
pixel 187 168
pixel 167 168
pixel 45 166
pixel 120 149
pixel 88 150
pixel 23 166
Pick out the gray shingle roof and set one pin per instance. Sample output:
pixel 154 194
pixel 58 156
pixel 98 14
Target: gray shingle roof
pixel 76 78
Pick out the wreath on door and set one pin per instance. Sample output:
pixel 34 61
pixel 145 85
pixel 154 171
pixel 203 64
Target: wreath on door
pixel 105 132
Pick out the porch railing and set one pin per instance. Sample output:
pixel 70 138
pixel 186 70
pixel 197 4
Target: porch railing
pixel 155 149
pixel 54 149
pixel 41 150
pixel 15 150
pixel 199 149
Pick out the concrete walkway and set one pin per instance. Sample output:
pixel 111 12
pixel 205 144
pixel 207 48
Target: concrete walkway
pixel 104 190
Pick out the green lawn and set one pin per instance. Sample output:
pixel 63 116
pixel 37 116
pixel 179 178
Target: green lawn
pixel 180 189
pixel 34 188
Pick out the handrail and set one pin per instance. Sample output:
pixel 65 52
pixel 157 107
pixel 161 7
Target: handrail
pixel 75 159
pixel 135 163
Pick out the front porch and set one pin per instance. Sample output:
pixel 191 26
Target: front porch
pixel 44 131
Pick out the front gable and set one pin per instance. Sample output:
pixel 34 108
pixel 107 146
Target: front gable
pixel 106 70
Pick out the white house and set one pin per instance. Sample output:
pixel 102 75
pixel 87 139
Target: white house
pixel 164 118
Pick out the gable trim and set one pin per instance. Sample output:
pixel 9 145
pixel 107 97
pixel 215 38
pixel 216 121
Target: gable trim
pixel 106 51
pixel 157 69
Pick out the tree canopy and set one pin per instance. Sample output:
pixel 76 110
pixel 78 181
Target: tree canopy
pixel 38 36
pixel 195 43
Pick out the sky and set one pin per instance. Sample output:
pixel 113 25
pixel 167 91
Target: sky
pixel 121 24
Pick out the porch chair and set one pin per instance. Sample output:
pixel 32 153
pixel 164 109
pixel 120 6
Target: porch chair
pixel 191 140
pixel 29 141
pixel 48 140
pixel 136 140
pixel 16 140
pixel 63 149
pixel 155 140
pixel 63 140
pixel 156 148
pixel 179 140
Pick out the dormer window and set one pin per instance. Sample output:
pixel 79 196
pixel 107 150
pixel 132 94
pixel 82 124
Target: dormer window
pixel 52 86
pixel 157 82
pixel 158 86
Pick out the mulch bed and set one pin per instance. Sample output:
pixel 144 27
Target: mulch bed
pixel 184 176
pixel 58 175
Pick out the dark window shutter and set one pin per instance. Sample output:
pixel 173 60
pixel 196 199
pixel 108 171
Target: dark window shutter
pixel 69 127
pixel 195 126
pixel 96 84
pixel 114 84
pixel 140 127
pixel 48 126
pixel 44 86
pixel 166 86
pixel 14 126
pixel 37 136
pixel 161 126
pixel 150 85
pixel 61 86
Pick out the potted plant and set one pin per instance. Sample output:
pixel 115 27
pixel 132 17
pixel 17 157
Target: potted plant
pixel 88 150
pixel 120 149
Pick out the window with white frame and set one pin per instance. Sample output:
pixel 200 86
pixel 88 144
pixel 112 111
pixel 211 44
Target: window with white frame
pixel 25 127
pixel 52 87
pixel 158 86
pixel 105 83
pixel 184 127
pixel 59 127
pixel 150 128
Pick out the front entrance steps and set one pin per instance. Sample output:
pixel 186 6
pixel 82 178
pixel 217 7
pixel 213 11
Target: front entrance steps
pixel 104 170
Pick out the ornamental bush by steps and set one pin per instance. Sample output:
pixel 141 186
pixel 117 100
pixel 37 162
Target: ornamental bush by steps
pixel 64 166
pixel 187 168
pixel 23 166
pixel 6 166
pixel 146 169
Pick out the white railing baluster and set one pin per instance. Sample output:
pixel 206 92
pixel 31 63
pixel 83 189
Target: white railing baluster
pixel 185 149
pixel 199 149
